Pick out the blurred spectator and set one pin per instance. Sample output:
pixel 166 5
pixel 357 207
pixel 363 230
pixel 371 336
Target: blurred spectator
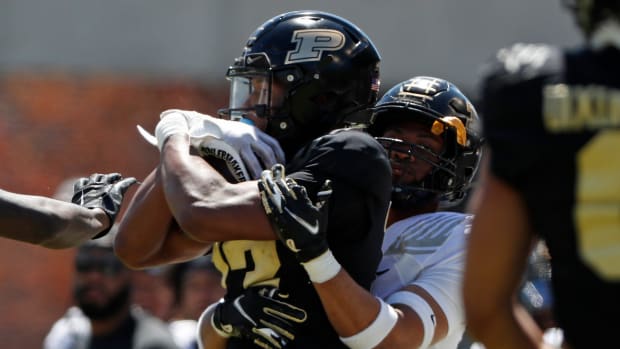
pixel 535 294
pixel 153 291
pixel 103 315
pixel 197 284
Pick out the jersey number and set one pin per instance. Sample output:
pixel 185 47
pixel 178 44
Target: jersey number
pixel 597 208
pixel 245 263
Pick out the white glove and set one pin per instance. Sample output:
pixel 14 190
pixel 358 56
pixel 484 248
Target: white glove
pixel 171 122
pixel 248 141
pixel 217 148
pixel 212 147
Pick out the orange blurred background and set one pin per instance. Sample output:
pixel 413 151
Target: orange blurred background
pixel 54 127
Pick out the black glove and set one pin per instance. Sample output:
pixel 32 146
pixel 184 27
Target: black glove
pixel 103 191
pixel 261 315
pixel 299 224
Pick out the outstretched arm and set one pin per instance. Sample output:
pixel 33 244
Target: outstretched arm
pixel 48 222
pixel 58 224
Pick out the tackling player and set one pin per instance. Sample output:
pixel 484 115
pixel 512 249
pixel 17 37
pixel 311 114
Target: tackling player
pixel 58 224
pixel 552 120
pixel 429 129
pixel 300 75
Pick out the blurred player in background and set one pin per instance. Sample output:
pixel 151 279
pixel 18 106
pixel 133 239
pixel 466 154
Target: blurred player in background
pixel 552 120
pixel 301 74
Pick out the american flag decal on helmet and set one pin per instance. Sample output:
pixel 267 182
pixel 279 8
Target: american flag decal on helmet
pixel 374 84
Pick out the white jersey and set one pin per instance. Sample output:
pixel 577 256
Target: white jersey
pixel 428 250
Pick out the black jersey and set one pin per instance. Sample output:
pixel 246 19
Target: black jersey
pixel 552 121
pixel 360 174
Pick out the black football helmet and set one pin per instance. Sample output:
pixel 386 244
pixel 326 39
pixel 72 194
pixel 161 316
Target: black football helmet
pixel 325 67
pixel 448 113
pixel 590 13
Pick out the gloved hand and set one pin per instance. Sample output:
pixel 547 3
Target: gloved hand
pixel 257 149
pixel 299 224
pixel 171 122
pixel 103 191
pixel 217 148
pixel 260 315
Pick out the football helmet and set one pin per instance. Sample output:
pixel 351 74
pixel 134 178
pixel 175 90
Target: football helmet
pixel 448 113
pixel 313 69
pixel 590 13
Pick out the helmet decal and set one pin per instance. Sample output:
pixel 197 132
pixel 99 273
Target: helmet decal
pixel 439 126
pixel 311 43
pixel 421 88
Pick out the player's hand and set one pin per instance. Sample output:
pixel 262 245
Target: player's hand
pixel 299 223
pixel 171 122
pixel 217 148
pixel 257 149
pixel 104 191
pixel 260 315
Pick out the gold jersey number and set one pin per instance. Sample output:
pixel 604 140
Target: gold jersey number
pixel 597 208
pixel 245 263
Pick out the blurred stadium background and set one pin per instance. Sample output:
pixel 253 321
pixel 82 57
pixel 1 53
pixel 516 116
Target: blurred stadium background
pixel 77 76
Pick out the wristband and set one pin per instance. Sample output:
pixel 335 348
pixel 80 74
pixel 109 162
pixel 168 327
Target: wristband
pixel 421 307
pixel 172 123
pixel 322 268
pixel 372 335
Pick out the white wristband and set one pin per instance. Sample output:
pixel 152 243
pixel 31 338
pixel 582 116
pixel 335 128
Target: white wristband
pixel 171 123
pixel 372 335
pixel 420 306
pixel 322 268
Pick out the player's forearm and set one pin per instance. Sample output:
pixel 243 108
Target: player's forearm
pixel 349 307
pixel 144 227
pixel 76 225
pixel 48 222
pixel 205 205
pixel 189 183
pixel 352 311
